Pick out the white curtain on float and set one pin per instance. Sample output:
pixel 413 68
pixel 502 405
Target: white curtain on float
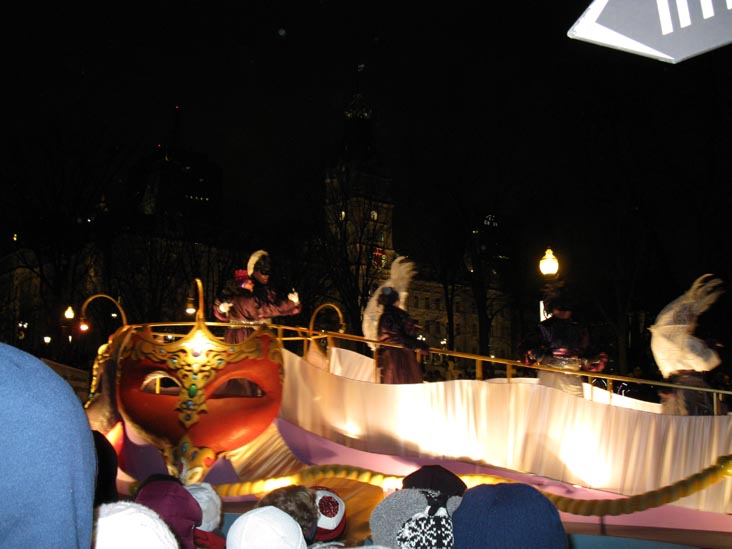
pixel 519 425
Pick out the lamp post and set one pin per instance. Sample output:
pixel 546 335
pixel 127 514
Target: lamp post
pixel 549 268
pixel 84 326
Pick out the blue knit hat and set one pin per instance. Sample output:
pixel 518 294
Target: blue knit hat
pixel 507 515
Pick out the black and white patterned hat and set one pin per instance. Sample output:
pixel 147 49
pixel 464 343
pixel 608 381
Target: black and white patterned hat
pixel 414 519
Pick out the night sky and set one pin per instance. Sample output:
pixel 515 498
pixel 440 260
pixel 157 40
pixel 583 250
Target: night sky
pixel 494 103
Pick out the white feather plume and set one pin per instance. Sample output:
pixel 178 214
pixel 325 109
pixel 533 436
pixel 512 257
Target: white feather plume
pixel 256 256
pixel 673 343
pixel 400 277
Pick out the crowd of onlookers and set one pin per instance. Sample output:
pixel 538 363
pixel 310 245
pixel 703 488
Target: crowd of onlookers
pixel 60 491
pixel 434 509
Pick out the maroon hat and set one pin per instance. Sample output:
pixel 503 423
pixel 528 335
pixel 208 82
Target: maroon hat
pixel 175 505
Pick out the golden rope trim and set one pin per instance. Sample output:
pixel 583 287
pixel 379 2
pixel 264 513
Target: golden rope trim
pixel 308 475
pixel 584 507
pixel 648 500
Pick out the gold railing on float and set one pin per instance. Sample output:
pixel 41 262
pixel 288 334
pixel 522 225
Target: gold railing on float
pixel 308 336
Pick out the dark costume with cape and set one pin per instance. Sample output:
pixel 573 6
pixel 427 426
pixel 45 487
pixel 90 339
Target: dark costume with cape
pixel 398 365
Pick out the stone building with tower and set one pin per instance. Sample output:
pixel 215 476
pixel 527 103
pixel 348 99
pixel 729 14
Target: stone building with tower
pixel 359 223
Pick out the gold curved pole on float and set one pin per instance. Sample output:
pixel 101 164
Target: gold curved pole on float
pixel 82 319
pixel 341 329
pixel 200 317
pixel 104 351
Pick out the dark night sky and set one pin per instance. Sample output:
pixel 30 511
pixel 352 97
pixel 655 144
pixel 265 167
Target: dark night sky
pixel 495 101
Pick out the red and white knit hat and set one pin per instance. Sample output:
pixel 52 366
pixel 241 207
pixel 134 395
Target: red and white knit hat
pixel 331 514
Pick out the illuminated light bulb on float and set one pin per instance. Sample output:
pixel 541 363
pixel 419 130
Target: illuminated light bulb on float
pixel 84 324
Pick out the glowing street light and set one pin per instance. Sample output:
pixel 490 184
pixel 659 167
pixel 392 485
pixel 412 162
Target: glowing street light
pixel 549 267
pixel 549 264
pixel 69 312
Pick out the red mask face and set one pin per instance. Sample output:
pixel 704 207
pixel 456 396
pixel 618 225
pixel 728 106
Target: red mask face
pixel 218 396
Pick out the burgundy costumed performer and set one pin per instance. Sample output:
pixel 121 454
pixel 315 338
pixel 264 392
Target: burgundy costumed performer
pixel 398 365
pixel 253 301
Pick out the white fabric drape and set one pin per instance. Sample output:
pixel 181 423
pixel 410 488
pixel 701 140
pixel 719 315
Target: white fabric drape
pixel 520 425
pixel 345 363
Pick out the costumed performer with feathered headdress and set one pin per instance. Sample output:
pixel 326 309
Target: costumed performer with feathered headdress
pixel 253 301
pixel 682 356
pixel 385 320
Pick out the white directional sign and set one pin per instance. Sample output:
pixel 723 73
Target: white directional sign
pixel 668 30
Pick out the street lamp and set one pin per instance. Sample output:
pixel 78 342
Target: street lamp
pixel 84 326
pixel 549 267
pixel 549 264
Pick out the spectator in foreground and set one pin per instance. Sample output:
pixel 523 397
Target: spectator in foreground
pixel 414 517
pixel 208 535
pixel 49 463
pixel 126 524
pixel 265 528
pixel 507 515
pixel 167 496
pixel 435 477
pixel 298 502
pixel 107 464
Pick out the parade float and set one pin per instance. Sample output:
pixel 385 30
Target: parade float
pixel 253 416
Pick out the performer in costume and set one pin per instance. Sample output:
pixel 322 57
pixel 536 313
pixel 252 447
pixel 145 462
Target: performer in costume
pixel 252 301
pixel 563 342
pixel 680 354
pixel 400 277
pixel 384 319
pixel 398 365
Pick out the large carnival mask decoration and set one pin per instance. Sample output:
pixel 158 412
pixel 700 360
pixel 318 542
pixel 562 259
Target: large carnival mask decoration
pixel 197 397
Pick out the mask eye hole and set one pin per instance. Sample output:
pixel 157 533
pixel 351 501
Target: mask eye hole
pixel 160 383
pixel 238 387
